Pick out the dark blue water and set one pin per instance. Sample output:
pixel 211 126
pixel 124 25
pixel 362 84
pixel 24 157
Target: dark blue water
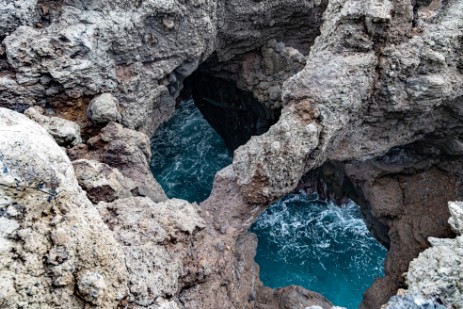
pixel 318 245
pixel 302 240
pixel 186 154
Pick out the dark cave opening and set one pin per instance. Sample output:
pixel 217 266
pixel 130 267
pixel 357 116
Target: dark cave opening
pixel 233 113
pixel 212 118
pixel 236 116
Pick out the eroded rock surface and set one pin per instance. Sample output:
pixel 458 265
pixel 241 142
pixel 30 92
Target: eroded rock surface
pixel 436 274
pixel 65 132
pixel 127 150
pixel 140 52
pixel 103 109
pixel 413 301
pixel 55 249
pixel 101 182
pixel 152 236
pixel 372 82
pixel 404 203
pixel 228 251
pixel 380 74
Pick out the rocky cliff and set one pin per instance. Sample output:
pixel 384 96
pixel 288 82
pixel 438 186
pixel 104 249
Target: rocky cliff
pixel 372 91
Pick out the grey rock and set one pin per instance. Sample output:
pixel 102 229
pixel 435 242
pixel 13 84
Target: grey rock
pixel 372 80
pixel 357 110
pixel 16 13
pixel 101 182
pixel 127 150
pixel 91 285
pixel 66 133
pixel 264 169
pixel 456 219
pixel 104 109
pixel 413 301
pixel 146 230
pixel 437 273
pixel 128 49
pixel 51 237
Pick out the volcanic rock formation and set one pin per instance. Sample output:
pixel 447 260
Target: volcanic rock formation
pixel 372 88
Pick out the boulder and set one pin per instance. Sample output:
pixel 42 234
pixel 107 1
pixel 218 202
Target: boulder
pixel 437 272
pixel 103 109
pixel 150 234
pixel 127 150
pixel 55 249
pixel 435 276
pixel 66 133
pixel 102 182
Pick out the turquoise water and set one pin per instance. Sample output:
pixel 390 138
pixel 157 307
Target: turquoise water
pixel 318 245
pixel 302 240
pixel 186 154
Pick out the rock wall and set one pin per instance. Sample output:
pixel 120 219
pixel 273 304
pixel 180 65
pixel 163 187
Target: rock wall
pixel 54 53
pixel 55 249
pixel 372 81
pixel 369 84
pixel 353 79
pixel 435 276
pixel 405 203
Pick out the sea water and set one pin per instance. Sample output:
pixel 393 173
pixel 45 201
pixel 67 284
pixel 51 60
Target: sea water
pixel 302 240
pixel 186 154
pixel 321 246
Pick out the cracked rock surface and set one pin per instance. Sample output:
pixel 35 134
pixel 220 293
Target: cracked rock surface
pixel 55 249
pixel 436 273
pixel 354 79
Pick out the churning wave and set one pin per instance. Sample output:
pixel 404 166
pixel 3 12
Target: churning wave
pixel 318 245
pixel 186 154
pixel 302 240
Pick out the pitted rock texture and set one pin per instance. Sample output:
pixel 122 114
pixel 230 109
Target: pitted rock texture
pixel 295 23
pixel 381 74
pixel 16 13
pixel 101 182
pixel 261 72
pixel 103 109
pixel 404 200
pixel 376 78
pixel 271 163
pixel 127 150
pixel 438 271
pixel 413 301
pixel 58 51
pixel 435 276
pixel 65 132
pixel 106 46
pixel 152 235
pixel 403 197
pixel 55 249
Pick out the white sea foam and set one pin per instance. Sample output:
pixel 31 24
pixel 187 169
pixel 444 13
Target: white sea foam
pixel 319 245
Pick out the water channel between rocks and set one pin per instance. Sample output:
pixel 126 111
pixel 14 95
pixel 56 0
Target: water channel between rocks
pixel 302 240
